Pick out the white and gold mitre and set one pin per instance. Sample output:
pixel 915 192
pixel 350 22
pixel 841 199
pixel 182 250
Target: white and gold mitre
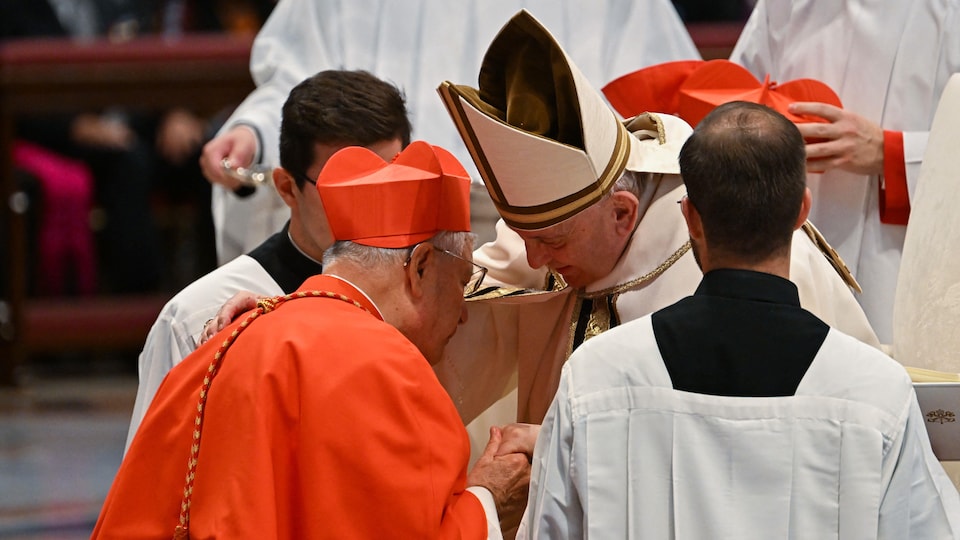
pixel 545 142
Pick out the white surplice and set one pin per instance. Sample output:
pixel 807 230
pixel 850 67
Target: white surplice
pixel 621 454
pixel 416 45
pixel 889 62
pixel 512 349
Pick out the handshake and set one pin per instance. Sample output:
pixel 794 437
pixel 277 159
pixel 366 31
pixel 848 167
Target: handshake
pixel 504 469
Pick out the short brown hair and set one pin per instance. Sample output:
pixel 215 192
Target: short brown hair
pixel 745 172
pixel 353 108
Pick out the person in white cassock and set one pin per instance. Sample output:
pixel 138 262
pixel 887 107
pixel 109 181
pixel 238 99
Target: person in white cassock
pixel 888 62
pixel 736 413
pixel 588 202
pixel 414 44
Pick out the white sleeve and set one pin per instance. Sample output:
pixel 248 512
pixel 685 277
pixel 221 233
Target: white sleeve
pixel 553 506
pixel 294 43
pixel 166 345
pixel 642 34
pixel 243 223
pixel 753 49
pixel 489 510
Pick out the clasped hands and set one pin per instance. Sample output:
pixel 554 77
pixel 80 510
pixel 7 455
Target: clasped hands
pixel 503 468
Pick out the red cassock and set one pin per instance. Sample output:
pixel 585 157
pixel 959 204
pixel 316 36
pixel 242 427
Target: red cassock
pixel 323 422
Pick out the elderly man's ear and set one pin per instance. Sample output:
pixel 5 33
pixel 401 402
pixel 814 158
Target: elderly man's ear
pixel 625 208
pixel 420 258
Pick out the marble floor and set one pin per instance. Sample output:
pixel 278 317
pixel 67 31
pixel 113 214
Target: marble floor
pixel 61 439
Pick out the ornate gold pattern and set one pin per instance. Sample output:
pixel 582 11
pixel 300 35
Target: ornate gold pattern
pixel 554 282
pixel 661 133
pixel 832 256
pixel 600 319
pixel 941 416
pixel 577 306
pixel 642 280
pixel 600 316
pixel 264 305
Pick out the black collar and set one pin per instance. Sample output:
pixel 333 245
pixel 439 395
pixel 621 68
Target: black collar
pixel 284 262
pixel 749 285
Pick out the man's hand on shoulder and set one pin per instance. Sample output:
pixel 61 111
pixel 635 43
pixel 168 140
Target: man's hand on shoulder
pixel 239 303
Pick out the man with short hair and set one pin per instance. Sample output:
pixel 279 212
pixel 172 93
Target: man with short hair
pixel 324 113
pixel 736 413
pixel 588 201
pixel 318 415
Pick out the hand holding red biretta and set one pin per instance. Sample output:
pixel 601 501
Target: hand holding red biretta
pixel 691 89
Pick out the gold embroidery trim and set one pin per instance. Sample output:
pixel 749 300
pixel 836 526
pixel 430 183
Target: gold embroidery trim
pixel 832 256
pixel 642 280
pixel 600 315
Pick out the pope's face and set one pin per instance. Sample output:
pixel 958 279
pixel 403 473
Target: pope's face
pixel 583 249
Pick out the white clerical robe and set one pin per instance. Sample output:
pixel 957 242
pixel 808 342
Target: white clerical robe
pixel 889 62
pixel 504 363
pixel 417 44
pixel 621 454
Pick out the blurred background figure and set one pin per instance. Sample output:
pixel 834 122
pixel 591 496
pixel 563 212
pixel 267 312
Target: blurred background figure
pixel 97 175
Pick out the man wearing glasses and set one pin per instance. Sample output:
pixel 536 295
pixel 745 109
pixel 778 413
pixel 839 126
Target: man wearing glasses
pixel 591 206
pixel 320 416
pixel 476 277
pixel 323 114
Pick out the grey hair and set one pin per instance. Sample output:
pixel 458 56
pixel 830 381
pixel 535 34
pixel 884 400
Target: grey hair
pixel 375 257
pixel 629 181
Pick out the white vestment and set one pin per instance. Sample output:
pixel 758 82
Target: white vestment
pixel 174 334
pixel 417 45
pixel 512 349
pixel 621 454
pixel 927 308
pixel 889 62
